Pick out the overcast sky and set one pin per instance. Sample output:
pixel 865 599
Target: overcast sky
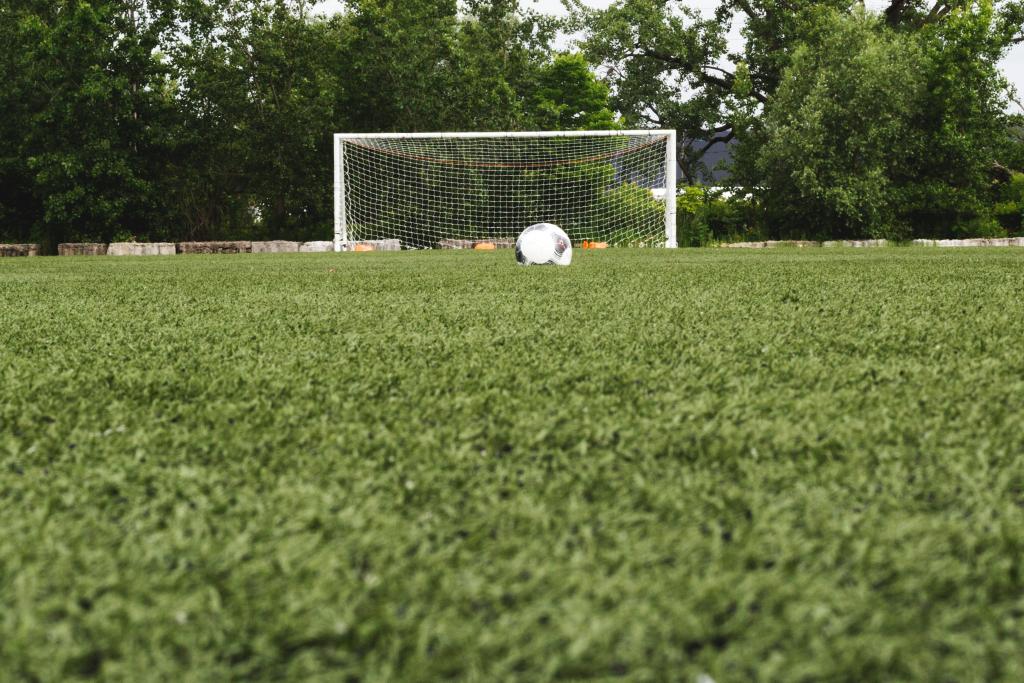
pixel 1013 65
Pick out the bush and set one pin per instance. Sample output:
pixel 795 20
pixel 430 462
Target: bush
pixel 884 134
pixel 704 217
pixel 1008 210
pixel 691 228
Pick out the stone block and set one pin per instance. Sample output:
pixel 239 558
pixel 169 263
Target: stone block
pixel 498 242
pixel 456 244
pixel 924 243
pixel 792 243
pixel 141 249
pixel 746 245
pixel 275 247
pixel 81 249
pixel 375 245
pixel 19 250
pixel 855 243
pixel 316 247
pixel 223 247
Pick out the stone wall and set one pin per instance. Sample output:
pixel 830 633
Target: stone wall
pixel 141 249
pixel 275 247
pixel 238 247
pixel 308 247
pixel 82 249
pixel 498 242
pixel 855 243
pixel 376 245
pixel 19 250
pixel 455 244
pixel 975 242
pixel 283 246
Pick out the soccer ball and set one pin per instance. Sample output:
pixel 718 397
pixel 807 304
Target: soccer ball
pixel 543 244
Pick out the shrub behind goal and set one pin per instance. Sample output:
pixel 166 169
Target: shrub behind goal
pixel 438 190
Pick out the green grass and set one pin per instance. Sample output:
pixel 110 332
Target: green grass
pixel 796 465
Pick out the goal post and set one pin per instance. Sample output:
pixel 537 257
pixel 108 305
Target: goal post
pixel 456 190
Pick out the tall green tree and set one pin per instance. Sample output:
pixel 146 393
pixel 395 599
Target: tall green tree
pixel 887 133
pixel 836 153
pixel 670 66
pixel 260 86
pixel 427 65
pixel 85 117
pixel 568 96
pixel 197 119
pixel 401 55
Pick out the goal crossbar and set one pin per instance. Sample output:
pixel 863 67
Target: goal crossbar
pixel 352 196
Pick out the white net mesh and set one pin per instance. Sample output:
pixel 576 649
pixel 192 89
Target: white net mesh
pixel 458 192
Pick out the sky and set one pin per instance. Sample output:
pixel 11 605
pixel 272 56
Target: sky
pixel 1013 64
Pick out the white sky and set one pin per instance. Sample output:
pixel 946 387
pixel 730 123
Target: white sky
pixel 1013 64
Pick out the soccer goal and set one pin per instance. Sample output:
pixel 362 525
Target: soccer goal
pixel 460 190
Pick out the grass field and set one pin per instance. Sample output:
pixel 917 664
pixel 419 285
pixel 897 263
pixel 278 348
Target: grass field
pixel 788 465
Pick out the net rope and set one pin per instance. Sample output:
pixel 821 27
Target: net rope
pixel 457 192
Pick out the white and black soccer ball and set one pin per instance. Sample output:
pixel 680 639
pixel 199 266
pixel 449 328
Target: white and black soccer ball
pixel 543 244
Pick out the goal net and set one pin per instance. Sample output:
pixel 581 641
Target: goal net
pixel 464 190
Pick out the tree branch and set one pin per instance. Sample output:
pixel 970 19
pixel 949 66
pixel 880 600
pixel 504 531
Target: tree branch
pixel 1009 96
pixel 747 9
pixel 894 12
pixel 724 82
pixel 714 141
pixel 652 118
pixel 940 9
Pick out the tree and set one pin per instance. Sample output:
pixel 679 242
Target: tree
pixel 208 119
pixel 400 55
pixel 426 65
pixel 569 97
pixel 670 67
pixel 501 51
pixel 886 133
pixel 84 118
pixel 834 147
pixel 259 84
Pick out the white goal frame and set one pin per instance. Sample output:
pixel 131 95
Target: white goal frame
pixel 341 240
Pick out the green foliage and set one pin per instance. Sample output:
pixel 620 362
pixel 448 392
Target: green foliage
pixel 263 93
pixel 1014 142
pixel 396 52
pixel 670 66
pixel 1009 206
pixel 755 466
pixel 637 202
pixel 84 119
pixel 881 133
pixel 202 119
pixel 834 145
pixel 569 97
pixel 704 217
pixel 944 114
pixel 691 228
pixel 733 219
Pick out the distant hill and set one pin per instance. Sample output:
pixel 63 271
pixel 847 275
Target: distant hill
pixel 720 154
